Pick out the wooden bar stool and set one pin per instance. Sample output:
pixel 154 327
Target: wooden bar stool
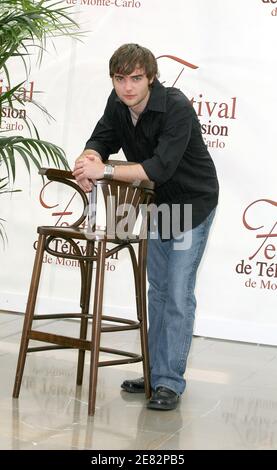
pixel 122 203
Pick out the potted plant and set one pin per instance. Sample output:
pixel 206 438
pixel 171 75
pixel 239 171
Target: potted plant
pixel 25 27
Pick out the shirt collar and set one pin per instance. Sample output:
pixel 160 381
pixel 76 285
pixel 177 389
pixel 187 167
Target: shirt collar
pixel 157 100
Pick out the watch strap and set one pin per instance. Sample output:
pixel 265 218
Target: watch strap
pixel 108 171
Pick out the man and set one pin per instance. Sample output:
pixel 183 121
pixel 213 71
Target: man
pixel 158 129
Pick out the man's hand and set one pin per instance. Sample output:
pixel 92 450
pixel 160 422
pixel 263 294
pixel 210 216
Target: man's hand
pixel 89 167
pixel 83 181
pixel 86 169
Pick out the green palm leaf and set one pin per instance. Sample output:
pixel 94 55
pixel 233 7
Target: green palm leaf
pixel 30 151
pixel 3 235
pixel 25 27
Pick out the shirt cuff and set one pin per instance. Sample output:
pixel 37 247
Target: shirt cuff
pixel 153 171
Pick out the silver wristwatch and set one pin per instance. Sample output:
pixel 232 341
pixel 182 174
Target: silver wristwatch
pixel 108 172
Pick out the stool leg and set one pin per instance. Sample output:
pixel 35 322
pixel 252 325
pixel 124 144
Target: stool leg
pixel 139 269
pixel 96 324
pixel 136 279
pixel 85 299
pixel 29 315
pixel 143 327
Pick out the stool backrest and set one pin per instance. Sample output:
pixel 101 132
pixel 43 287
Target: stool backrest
pixel 124 205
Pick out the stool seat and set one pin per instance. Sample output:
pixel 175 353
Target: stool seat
pixel 122 205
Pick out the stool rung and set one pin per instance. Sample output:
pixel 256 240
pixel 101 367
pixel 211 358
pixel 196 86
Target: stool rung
pixel 120 361
pixel 57 316
pixel 46 348
pixel 64 341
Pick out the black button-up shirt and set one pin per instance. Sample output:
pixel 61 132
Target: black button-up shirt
pixel 168 143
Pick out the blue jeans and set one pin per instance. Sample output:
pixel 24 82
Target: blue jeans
pixel 171 271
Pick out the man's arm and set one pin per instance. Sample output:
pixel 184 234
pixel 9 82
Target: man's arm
pixel 104 139
pixel 130 173
pixel 92 168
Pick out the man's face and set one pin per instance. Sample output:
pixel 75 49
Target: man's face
pixel 132 89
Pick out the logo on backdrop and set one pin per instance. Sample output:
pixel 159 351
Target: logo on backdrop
pixel 259 269
pixel 107 3
pixel 214 115
pixel 14 119
pixel 62 213
pixel 270 4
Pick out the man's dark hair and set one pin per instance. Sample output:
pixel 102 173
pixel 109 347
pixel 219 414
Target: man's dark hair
pixel 129 56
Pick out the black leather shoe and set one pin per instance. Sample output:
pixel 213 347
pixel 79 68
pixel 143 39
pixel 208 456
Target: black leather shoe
pixel 163 399
pixel 133 386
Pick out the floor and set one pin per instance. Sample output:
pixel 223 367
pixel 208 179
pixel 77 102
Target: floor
pixel 230 401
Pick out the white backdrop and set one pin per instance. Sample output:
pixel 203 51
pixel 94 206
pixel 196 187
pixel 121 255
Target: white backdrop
pixel 233 89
